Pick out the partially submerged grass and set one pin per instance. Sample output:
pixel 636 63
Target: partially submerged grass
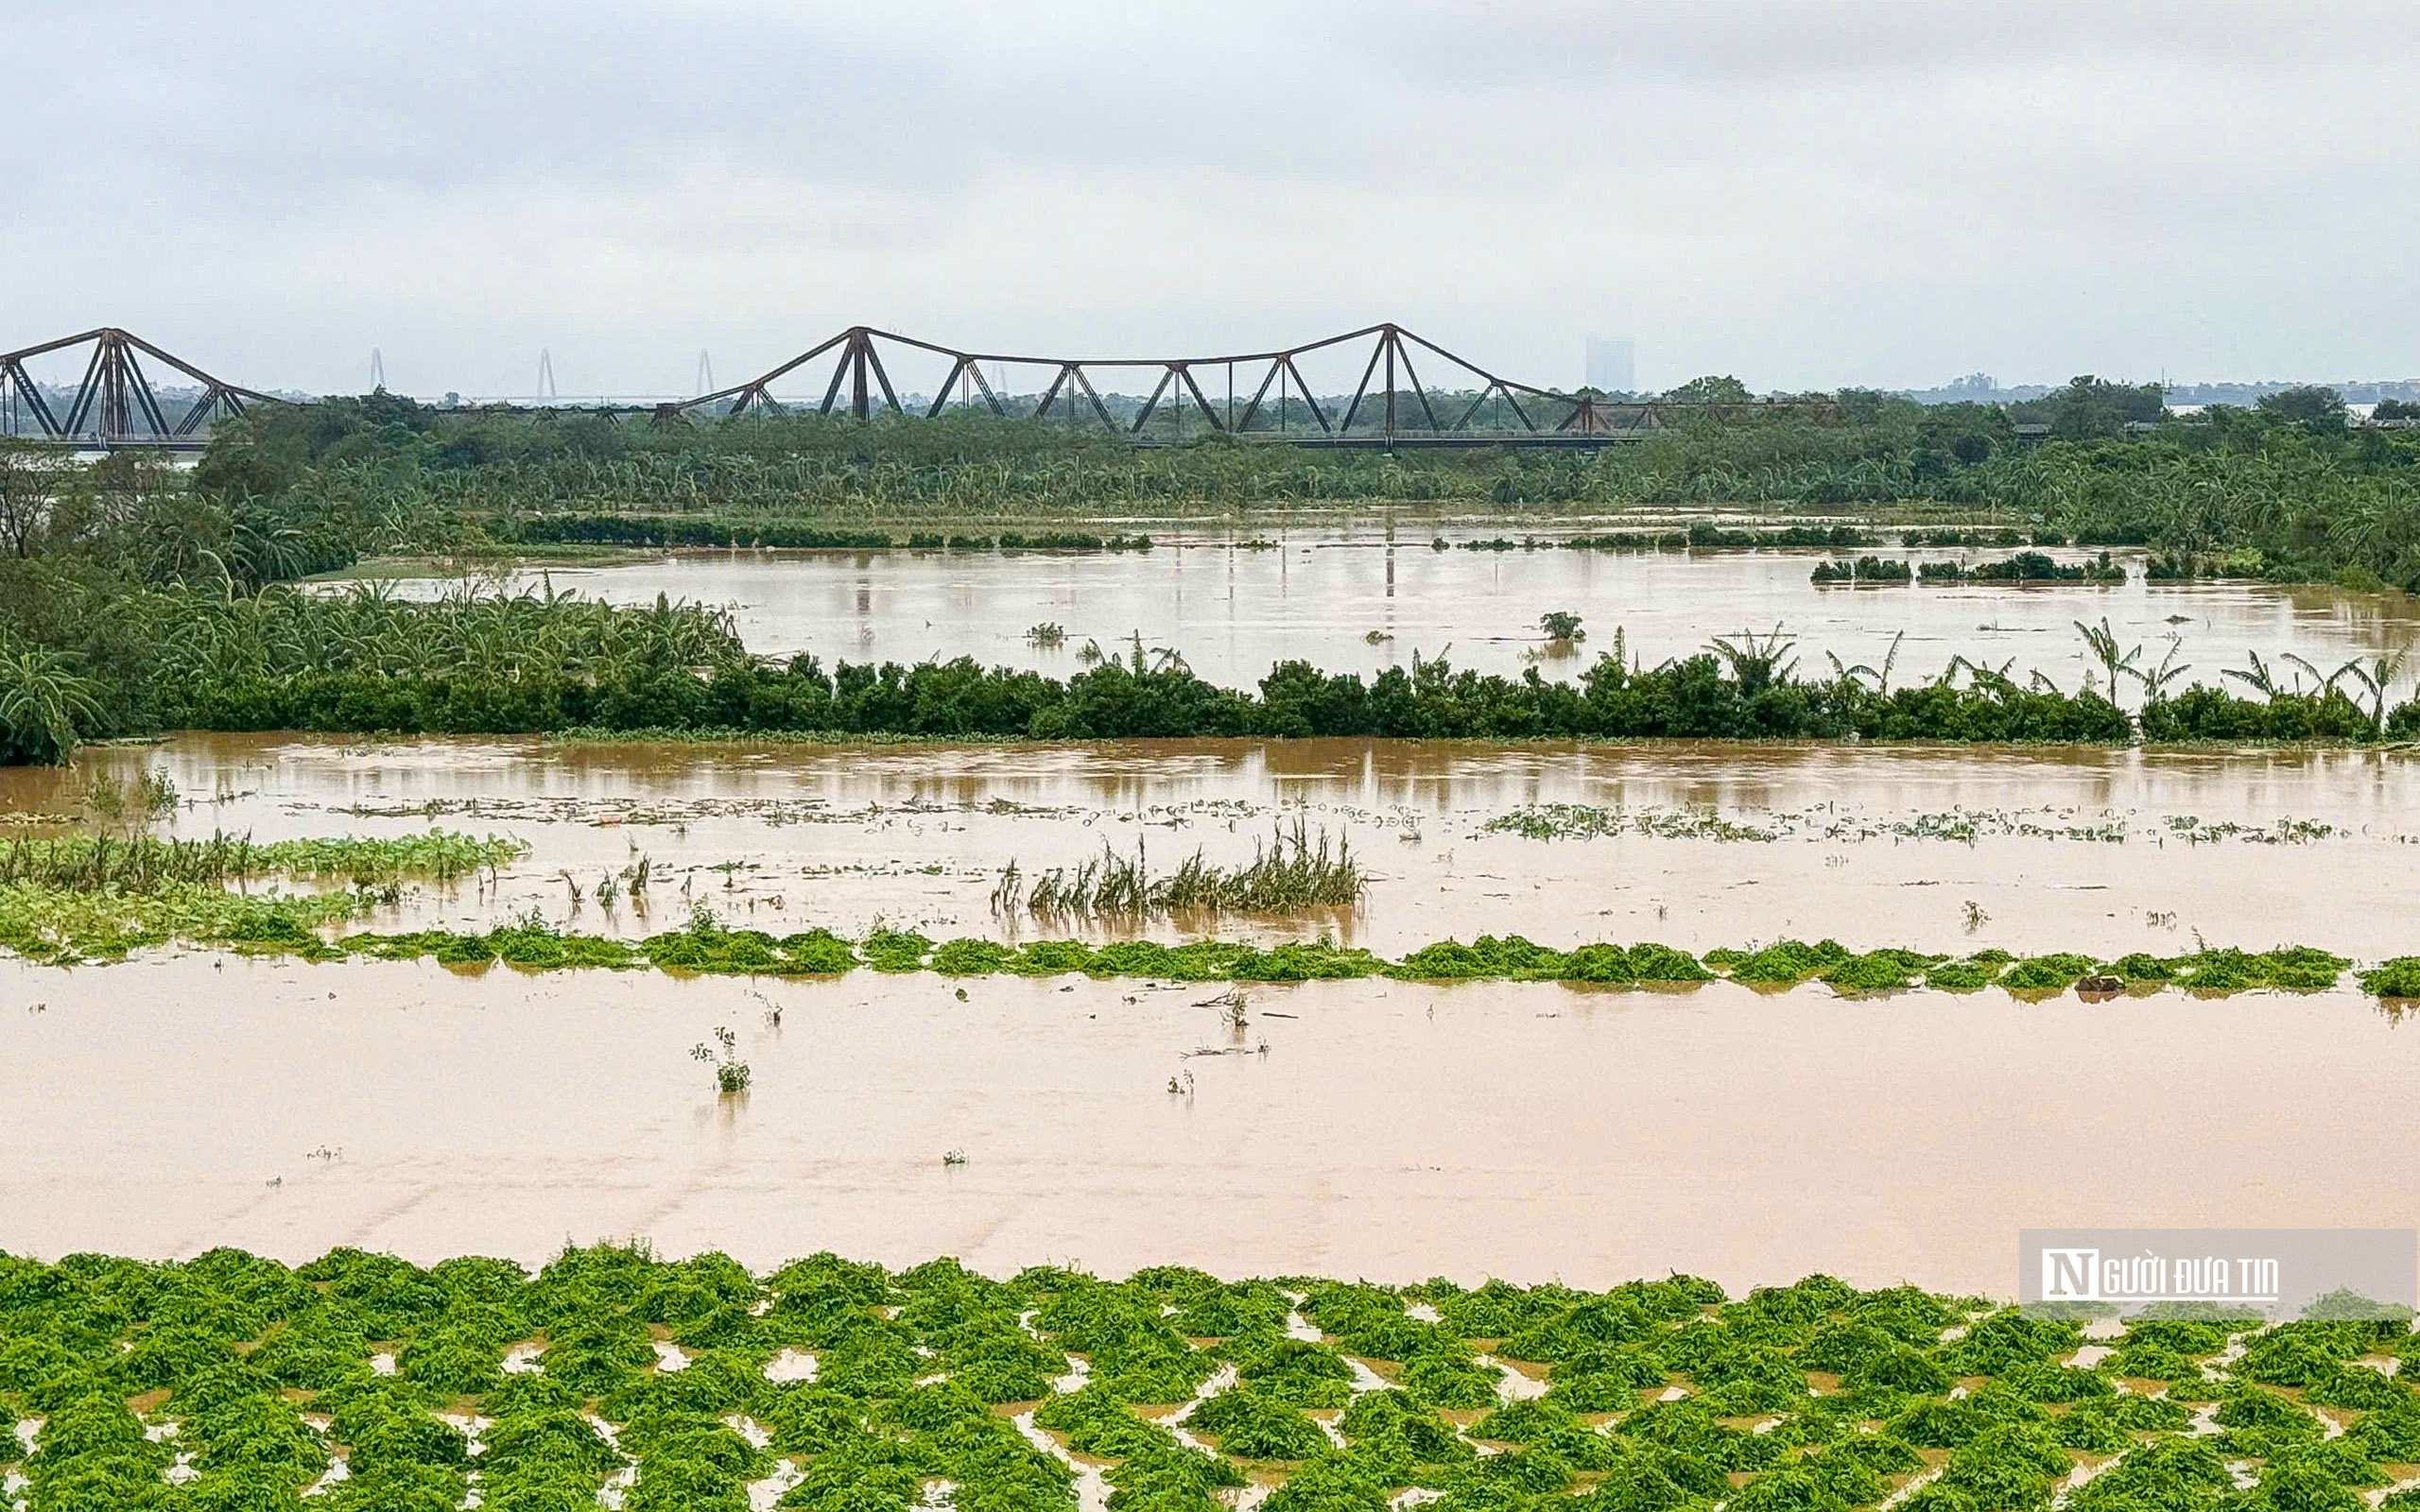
pixel 143 863
pixel 1290 875
pixel 1830 824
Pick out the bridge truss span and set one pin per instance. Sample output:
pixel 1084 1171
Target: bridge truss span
pixel 114 403
pixel 1380 386
pixel 1155 399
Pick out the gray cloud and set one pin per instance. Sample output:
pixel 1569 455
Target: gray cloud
pixel 1808 193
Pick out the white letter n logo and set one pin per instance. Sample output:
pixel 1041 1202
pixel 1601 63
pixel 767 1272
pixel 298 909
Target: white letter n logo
pixel 2070 1275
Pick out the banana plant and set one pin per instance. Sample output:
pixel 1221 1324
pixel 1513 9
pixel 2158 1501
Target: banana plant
pixel 2100 642
pixel 1881 675
pixel 45 705
pixel 2256 677
pixel 1756 661
pixel 2379 676
pixel 2155 681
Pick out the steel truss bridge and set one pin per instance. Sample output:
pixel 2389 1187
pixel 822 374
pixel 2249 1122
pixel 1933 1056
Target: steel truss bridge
pixel 114 403
pixel 1265 395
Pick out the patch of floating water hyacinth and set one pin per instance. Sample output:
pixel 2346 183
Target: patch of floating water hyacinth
pixel 2054 972
pixel 1290 874
pixel 2397 978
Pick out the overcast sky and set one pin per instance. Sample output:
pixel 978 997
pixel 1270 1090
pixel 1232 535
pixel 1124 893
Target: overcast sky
pixel 1806 193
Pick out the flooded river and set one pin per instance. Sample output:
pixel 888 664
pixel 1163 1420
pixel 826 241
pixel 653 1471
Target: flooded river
pixel 1358 599
pixel 1389 1131
pixel 2072 849
pixel 187 1099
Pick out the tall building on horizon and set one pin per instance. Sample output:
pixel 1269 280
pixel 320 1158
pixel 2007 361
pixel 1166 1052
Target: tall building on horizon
pixel 1613 364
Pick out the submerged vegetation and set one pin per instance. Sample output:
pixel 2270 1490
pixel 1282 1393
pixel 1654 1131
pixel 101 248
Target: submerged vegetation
pixel 2025 567
pixel 788 535
pixel 1835 825
pixel 365 662
pixel 95 897
pixel 732 1074
pixel 145 862
pixel 60 926
pixel 1290 875
pixel 699 1385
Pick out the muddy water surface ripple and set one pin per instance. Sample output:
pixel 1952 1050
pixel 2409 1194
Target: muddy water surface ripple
pixel 1388 1130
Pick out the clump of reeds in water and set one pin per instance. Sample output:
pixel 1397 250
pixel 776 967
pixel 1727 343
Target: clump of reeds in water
pixel 1290 874
pixel 143 863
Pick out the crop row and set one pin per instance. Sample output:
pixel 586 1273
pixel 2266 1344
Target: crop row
pixel 232 1382
pixel 63 925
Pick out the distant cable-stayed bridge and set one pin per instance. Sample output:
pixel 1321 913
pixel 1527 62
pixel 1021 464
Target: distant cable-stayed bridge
pixel 865 372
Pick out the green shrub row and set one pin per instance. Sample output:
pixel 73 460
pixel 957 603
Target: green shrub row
pixel 63 925
pixel 2025 567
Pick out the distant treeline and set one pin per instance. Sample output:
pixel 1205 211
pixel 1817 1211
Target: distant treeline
pixel 790 535
pixel 2288 491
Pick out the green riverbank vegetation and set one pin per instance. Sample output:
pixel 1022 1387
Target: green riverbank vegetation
pixel 365 661
pixel 136 597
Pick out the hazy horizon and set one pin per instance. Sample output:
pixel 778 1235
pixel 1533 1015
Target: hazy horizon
pixel 1843 192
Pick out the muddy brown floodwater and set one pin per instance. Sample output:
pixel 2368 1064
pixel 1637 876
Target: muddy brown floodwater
pixel 1324 592
pixel 1389 1131
pixel 184 1100
pixel 787 837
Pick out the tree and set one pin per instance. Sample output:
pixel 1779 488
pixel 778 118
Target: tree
pixel 2378 678
pixel 1969 432
pixel 2313 404
pixel 1711 390
pixel 2101 642
pixel 42 704
pixel 28 473
pixel 2387 409
pixel 2091 408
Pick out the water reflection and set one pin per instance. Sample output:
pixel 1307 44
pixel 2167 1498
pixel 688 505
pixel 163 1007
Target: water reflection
pixel 1323 593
